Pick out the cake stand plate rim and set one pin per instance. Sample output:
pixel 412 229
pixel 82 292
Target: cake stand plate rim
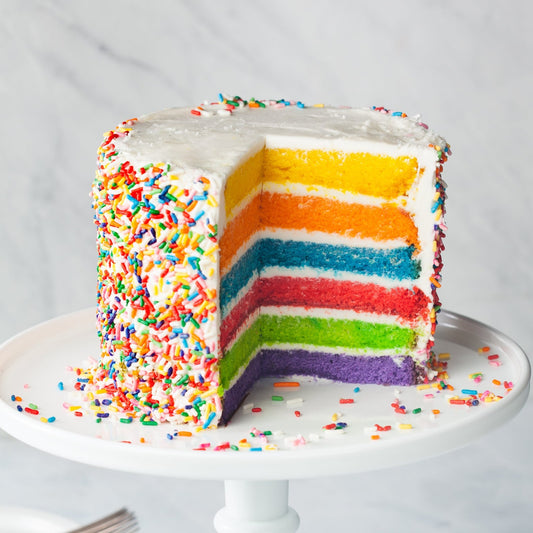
pixel 336 458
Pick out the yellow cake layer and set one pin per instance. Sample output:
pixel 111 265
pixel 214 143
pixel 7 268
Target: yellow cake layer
pixel 244 180
pixel 378 176
pixel 359 173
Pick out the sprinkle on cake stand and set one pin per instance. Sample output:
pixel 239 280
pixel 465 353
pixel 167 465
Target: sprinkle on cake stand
pixel 288 428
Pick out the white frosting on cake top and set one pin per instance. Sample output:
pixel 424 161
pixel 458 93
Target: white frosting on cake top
pixel 216 144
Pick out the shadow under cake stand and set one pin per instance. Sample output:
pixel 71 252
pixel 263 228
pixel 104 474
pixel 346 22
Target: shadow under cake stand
pixel 286 438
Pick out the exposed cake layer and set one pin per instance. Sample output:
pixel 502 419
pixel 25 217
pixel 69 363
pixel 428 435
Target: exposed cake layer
pixel 376 175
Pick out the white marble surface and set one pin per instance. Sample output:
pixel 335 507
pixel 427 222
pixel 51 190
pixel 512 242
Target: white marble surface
pixel 71 70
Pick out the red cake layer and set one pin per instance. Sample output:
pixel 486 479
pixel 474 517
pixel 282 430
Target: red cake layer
pixel 409 305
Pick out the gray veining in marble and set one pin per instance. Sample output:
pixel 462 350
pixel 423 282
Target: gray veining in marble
pixel 71 70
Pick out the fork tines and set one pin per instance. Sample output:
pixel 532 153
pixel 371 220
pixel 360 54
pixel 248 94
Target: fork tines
pixel 122 521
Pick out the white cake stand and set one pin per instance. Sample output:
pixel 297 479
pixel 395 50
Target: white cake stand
pixel 259 451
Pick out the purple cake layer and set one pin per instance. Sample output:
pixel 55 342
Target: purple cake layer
pixel 382 370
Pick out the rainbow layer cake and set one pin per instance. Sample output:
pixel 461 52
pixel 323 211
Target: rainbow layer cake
pixel 265 238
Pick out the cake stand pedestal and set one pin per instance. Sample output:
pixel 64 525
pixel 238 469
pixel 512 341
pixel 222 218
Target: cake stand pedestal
pixel 318 429
pixel 256 507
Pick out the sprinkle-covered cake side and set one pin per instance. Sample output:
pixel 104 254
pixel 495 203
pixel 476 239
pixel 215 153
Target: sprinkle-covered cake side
pixel 157 303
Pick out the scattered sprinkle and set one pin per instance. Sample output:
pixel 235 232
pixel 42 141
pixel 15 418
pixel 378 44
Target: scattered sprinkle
pixel 292 384
pixel 457 401
pixel 405 426
pixel 294 401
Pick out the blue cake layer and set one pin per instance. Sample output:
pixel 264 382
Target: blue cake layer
pixel 397 263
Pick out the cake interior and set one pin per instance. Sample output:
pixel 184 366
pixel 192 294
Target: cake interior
pixel 320 268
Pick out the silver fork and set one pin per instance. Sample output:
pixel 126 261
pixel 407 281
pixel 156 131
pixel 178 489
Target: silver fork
pixel 121 521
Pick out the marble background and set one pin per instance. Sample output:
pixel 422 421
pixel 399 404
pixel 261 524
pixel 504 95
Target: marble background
pixel 71 70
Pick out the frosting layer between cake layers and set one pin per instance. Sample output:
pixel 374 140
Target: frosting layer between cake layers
pixel 272 241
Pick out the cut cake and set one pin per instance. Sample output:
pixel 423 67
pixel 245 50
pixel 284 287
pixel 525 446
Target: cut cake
pixel 265 238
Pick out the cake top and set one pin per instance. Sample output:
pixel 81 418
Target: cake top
pixel 214 138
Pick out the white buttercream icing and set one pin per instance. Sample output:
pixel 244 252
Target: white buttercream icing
pixel 216 145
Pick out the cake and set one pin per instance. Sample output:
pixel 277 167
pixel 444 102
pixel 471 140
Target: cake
pixel 242 239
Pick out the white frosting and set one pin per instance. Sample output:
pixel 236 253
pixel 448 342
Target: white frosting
pixel 216 145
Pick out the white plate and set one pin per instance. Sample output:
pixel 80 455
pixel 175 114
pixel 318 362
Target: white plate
pixel 33 362
pixel 24 520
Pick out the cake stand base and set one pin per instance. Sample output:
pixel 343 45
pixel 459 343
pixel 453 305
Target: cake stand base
pixel 256 507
